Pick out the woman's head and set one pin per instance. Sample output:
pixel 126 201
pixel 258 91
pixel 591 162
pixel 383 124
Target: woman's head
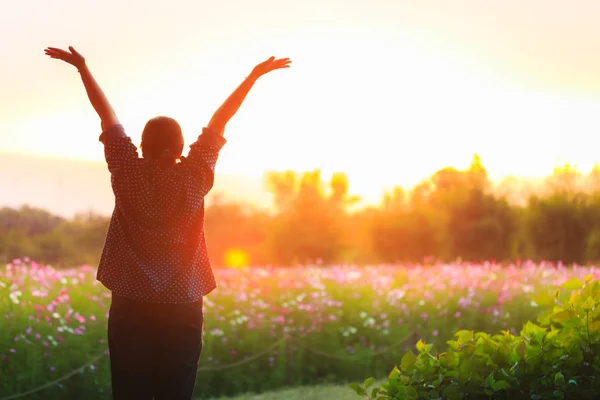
pixel 162 139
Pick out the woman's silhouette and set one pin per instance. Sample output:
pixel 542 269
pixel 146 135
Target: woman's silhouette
pixel 154 259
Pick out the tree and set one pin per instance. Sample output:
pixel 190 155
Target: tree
pixel 566 180
pixel 31 221
pixel 482 228
pixel 309 223
pixel 557 227
pixel 15 244
pixel 403 236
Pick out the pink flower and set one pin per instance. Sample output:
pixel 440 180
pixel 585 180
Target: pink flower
pixel 457 314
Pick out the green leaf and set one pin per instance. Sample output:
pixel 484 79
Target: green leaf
pixel 448 359
pixel 368 382
pixel 408 360
pixel 574 298
pixel 533 331
pixel 401 393
pixel 453 393
pixel 394 374
pixel 466 369
pixel 533 351
pixel 544 317
pixel 588 278
pixel 562 316
pixel 559 379
pixel 464 336
pixel 411 393
pixel 521 349
pixel 453 344
pixel 358 389
pixel 572 284
pixel 595 326
pixel 489 380
pixel 421 346
pixel 588 304
pixel 500 385
pixel 452 374
pixel 438 381
pixel 544 299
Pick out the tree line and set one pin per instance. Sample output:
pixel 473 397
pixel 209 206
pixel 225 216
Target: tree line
pixel 454 214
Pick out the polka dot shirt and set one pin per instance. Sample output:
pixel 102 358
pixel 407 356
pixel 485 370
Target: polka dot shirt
pixel 155 249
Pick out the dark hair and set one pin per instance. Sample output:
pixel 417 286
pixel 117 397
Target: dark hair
pixel 162 139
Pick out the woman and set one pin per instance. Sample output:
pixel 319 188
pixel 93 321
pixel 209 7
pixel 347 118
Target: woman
pixel 154 259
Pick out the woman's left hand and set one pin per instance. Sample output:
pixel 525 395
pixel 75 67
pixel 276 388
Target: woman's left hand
pixel 72 56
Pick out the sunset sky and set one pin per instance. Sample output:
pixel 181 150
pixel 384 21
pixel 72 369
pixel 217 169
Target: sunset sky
pixel 387 91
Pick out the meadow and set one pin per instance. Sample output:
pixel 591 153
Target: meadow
pixel 267 328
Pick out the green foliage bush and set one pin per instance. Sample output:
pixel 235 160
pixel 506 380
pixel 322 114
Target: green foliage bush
pixel 557 358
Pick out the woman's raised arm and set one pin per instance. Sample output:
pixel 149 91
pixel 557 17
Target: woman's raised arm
pixel 234 101
pixel 99 101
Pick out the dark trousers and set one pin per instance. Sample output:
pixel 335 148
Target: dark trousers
pixel 154 349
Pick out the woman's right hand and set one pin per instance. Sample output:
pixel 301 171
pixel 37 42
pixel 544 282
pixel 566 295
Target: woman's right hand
pixel 72 56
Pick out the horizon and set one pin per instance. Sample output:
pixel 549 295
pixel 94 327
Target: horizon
pixel 69 193
pixel 404 89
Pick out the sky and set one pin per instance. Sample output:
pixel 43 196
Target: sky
pixel 386 91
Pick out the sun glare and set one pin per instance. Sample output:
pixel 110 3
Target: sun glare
pixel 381 107
pixel 236 258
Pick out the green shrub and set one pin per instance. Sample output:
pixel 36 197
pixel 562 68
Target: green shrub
pixel 557 358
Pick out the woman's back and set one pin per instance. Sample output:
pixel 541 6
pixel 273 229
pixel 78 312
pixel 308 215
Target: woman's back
pixel 155 248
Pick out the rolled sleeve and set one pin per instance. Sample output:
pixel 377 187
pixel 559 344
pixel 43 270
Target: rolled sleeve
pixel 211 139
pixel 119 150
pixel 112 133
pixel 202 158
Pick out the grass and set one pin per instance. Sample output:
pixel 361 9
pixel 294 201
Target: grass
pixel 319 392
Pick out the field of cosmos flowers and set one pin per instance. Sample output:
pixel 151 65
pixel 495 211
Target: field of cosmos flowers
pixel 266 328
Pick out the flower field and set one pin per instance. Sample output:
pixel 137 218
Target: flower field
pixel 266 328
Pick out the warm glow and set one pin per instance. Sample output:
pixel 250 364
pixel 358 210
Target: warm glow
pixel 236 258
pixel 387 92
